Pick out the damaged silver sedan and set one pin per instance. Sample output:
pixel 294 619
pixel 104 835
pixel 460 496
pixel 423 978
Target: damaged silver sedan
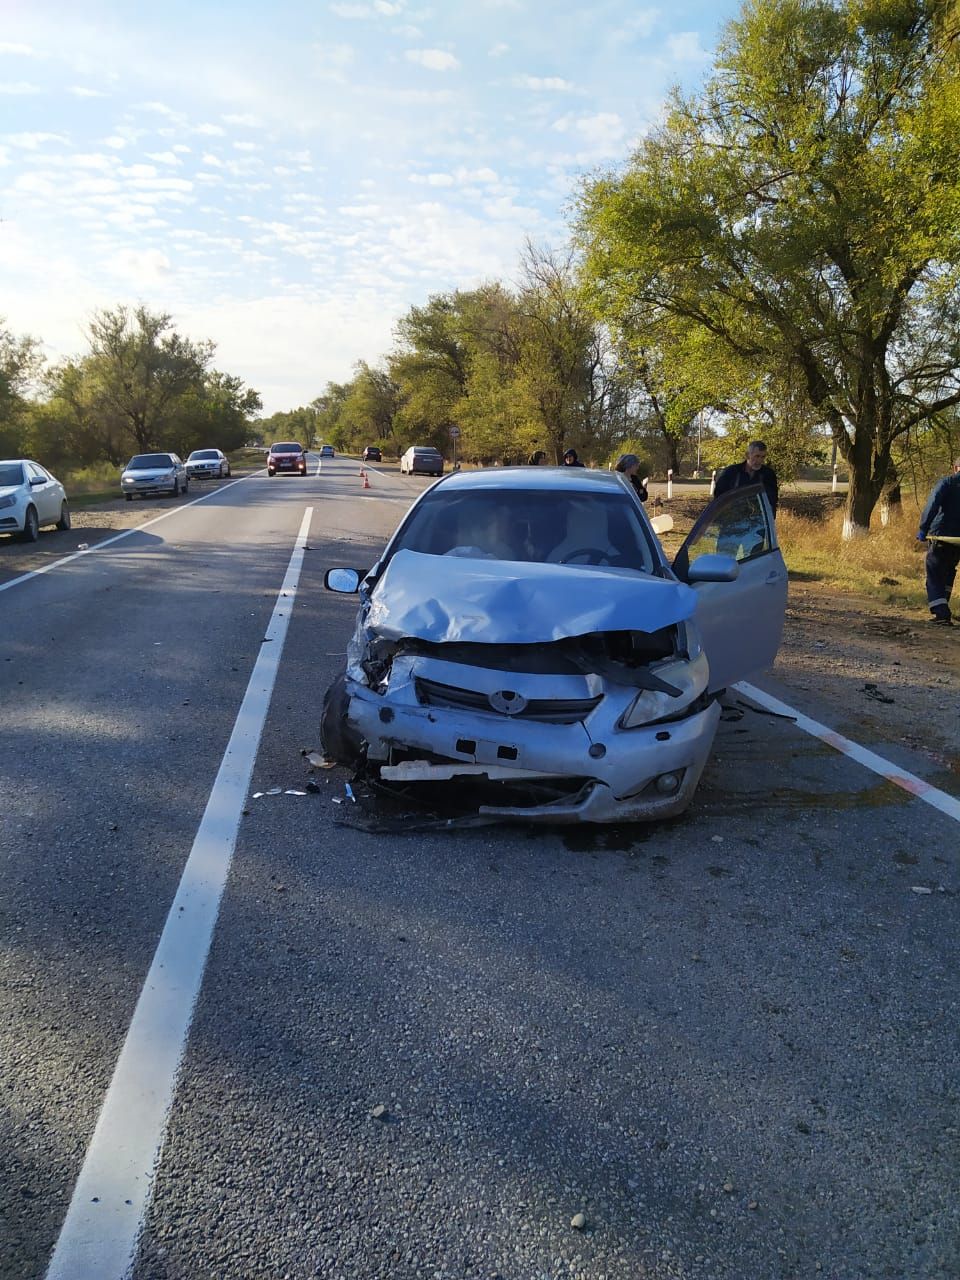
pixel 523 642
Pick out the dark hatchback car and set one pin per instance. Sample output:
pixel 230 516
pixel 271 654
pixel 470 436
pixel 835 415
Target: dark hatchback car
pixel 372 454
pixel 287 456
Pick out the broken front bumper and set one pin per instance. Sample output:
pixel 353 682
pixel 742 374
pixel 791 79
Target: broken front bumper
pixel 611 774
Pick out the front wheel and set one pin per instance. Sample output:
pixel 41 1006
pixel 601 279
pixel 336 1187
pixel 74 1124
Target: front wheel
pixel 186 486
pixel 176 489
pixel 31 525
pixel 64 521
pixel 128 496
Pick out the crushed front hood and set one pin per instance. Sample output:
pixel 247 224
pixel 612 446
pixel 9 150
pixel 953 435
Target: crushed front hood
pixel 448 599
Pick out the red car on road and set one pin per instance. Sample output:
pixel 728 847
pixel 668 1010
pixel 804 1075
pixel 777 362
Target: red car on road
pixel 287 456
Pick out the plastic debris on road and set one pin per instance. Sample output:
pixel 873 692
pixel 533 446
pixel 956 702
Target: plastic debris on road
pixel 318 761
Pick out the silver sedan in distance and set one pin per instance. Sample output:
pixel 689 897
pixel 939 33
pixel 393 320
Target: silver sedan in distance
pixel 208 464
pixel 154 473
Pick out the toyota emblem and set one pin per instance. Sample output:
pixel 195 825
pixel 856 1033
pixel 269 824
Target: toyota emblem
pixel 507 702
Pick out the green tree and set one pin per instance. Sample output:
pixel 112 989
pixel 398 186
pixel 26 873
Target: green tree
pixel 20 364
pixel 141 370
pixel 805 211
pixel 370 406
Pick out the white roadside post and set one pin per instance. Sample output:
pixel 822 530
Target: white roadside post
pixel 833 486
pixel 669 484
pixel 713 483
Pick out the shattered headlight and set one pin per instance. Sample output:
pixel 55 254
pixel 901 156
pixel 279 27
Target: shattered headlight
pixel 650 705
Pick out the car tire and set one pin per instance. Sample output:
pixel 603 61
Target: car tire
pixel 31 525
pixel 64 521
pixel 228 470
pixel 128 496
pixel 338 741
pixel 176 489
pixel 186 486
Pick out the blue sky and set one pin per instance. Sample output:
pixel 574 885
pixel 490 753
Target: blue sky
pixel 288 179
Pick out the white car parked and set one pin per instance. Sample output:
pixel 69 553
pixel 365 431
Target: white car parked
pixel 208 464
pixel 30 497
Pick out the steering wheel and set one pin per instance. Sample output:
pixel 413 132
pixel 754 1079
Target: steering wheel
pixel 587 555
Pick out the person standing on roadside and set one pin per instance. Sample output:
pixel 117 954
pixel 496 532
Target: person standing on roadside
pixel 537 459
pixel 941 519
pixel 570 459
pixel 753 470
pixel 629 465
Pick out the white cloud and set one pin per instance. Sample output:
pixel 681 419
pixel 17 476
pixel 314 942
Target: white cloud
pixel 685 46
pixel 21 50
pixel 164 157
pixel 141 267
pixel 246 146
pixel 602 134
pixel 32 141
pixel 638 26
pixel 19 88
pixel 246 120
pixel 210 130
pixel 116 142
pixel 498 50
pixel 552 84
pixel 433 179
pixel 352 12
pixel 433 59
pixel 81 91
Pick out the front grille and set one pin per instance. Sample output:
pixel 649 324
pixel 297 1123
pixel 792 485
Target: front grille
pixel 546 710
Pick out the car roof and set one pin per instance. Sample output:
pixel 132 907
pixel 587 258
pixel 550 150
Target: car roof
pixel 579 478
pixel 15 462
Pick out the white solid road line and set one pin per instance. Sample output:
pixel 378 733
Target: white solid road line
pixel 99 1237
pixel 924 791
pixel 75 555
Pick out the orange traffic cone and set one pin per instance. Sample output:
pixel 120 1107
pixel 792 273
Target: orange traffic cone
pixel 366 481
pixel 362 472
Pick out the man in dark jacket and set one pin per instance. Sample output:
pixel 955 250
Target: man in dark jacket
pixel 570 459
pixel 753 470
pixel 941 519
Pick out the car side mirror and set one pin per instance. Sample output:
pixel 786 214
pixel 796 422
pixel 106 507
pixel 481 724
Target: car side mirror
pixel 343 581
pixel 713 568
pixel 35 480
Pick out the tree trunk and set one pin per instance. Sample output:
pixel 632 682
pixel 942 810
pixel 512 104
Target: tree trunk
pixel 891 500
pixel 861 498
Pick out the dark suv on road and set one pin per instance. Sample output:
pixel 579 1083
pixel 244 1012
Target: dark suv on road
pixel 286 456
pixel 372 454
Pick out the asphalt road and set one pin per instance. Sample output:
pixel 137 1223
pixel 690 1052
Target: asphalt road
pixel 730 1041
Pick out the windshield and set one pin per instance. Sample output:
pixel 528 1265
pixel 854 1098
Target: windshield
pixel 200 455
pixel 286 448
pixel 147 461
pixel 534 526
pixel 12 473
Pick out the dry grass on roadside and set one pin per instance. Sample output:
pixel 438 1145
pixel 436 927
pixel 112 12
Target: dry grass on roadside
pixel 99 478
pixel 887 564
